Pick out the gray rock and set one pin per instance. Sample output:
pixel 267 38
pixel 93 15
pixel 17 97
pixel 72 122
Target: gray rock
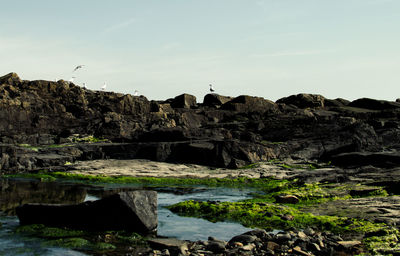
pixel 304 100
pixel 174 246
pixel 133 211
pixel 184 101
pixel 244 239
pixel 216 246
pixel 214 99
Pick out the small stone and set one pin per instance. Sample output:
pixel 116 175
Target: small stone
pixel 314 247
pixel 298 250
pixel 349 244
pixel 302 235
pixel 287 217
pixel 272 246
pixel 248 247
pixel 216 247
pixel 245 239
pixel 309 231
pixel 165 252
pixel 237 244
pixel 283 236
pixel 287 199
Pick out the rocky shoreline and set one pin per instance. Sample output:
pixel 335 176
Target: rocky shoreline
pixel 307 138
pixel 260 242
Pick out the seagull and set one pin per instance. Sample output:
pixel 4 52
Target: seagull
pixel 211 88
pixel 136 93
pixel 84 85
pixel 104 86
pixel 78 67
pixel 72 79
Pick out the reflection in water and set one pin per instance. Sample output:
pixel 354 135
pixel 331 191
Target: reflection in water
pixel 15 192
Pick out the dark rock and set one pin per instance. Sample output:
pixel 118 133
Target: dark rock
pixel 244 239
pixel 216 246
pixel 287 199
pixel 380 159
pixel 339 102
pixel 283 236
pixel 248 104
pixel 304 100
pixel 133 211
pixel 374 104
pixel 184 101
pixel 214 99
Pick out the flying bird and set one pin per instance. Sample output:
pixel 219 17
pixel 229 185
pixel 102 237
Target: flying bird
pixel 211 88
pixel 136 93
pixel 104 86
pixel 78 67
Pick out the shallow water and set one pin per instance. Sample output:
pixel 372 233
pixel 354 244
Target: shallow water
pixel 15 192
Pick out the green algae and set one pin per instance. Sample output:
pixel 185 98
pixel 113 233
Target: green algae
pixel 263 184
pixel 387 243
pixel 73 243
pixel 270 216
pixel 40 230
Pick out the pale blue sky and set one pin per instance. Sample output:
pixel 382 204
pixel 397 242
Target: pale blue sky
pixel 162 48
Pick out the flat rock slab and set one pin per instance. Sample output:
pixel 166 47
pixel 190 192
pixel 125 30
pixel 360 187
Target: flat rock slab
pixel 379 209
pixel 147 168
pixel 133 210
pixel 175 246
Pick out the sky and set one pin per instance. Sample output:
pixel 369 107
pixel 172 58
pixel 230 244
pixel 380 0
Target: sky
pixel 162 48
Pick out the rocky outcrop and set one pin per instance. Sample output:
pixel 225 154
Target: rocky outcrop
pixel 304 100
pixel 221 132
pixel 133 211
pixel 214 100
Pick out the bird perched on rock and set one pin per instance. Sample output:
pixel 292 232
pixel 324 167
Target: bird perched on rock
pixel 136 93
pixel 78 67
pixel 211 88
pixel 84 85
pixel 104 86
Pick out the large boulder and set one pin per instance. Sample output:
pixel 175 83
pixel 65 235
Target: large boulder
pixel 133 211
pixel 304 100
pixel 245 103
pixel 184 101
pixel 213 99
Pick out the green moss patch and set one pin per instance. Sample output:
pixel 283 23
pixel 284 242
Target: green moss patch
pixel 270 216
pixel 40 230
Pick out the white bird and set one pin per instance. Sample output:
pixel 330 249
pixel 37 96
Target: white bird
pixel 104 86
pixel 84 85
pixel 136 93
pixel 211 88
pixel 78 67
pixel 71 80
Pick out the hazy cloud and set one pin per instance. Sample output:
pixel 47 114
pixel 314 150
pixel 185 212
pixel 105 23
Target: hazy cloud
pixel 120 25
pixel 291 53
